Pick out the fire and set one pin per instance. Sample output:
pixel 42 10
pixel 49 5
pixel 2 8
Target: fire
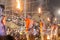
pixel 48 37
pixel 48 19
pixel 18 4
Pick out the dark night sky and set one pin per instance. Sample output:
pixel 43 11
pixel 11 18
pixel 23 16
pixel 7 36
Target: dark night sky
pixel 51 4
pixel 54 3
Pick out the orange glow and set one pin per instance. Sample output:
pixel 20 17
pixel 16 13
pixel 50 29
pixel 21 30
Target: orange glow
pixel 18 4
pixel 48 37
pixel 4 20
pixel 41 25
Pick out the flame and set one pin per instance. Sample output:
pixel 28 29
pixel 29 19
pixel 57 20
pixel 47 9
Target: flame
pixel 18 4
pixel 39 10
pixel 48 19
pixel 48 37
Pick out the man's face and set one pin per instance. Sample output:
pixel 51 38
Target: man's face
pixel 0 11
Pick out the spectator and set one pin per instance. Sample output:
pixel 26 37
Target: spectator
pixel 2 21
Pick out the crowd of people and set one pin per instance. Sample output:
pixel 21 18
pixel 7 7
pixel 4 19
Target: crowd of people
pixel 32 27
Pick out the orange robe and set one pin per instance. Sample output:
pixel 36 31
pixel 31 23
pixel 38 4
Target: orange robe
pixel 27 23
pixel 41 25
